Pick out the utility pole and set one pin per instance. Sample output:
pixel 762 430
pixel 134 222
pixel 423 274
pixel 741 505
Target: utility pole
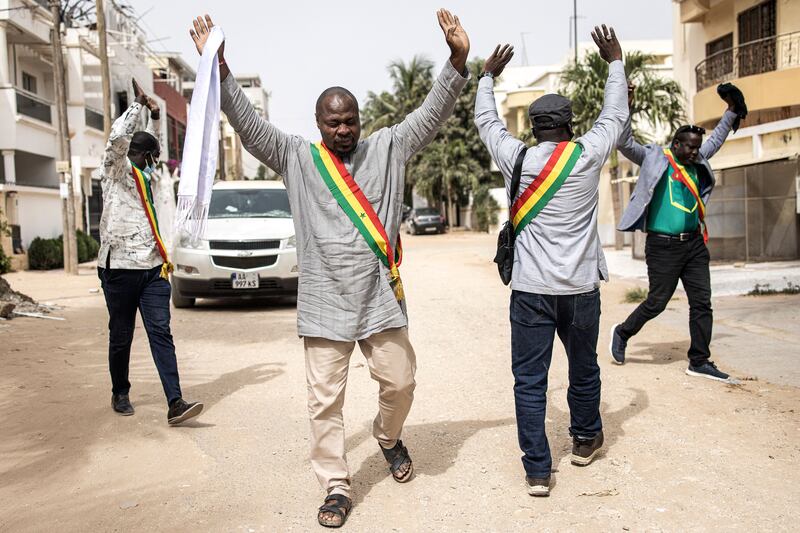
pixel 104 70
pixel 67 195
pixel 221 156
pixel 575 28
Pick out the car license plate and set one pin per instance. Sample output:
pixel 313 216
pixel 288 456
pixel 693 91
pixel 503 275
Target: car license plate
pixel 244 280
pixel 431 228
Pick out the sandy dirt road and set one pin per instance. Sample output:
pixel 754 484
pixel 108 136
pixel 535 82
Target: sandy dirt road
pixel 681 453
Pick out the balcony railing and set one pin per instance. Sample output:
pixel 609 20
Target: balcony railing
pixel 94 118
pixel 30 105
pixel 756 57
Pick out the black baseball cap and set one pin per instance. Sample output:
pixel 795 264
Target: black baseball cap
pixel 550 111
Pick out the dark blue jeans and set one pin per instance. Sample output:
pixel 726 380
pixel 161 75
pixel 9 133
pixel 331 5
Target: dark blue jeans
pixel 535 319
pixel 145 290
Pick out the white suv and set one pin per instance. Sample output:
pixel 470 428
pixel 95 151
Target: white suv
pixel 248 250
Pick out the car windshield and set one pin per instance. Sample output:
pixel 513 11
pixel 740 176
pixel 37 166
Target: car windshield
pixel 427 211
pixel 249 203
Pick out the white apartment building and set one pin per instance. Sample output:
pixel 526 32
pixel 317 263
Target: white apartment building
pixel 29 183
pixel 29 195
pixel 252 88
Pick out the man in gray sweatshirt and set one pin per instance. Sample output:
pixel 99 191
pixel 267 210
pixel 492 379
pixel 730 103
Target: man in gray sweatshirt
pixel 346 196
pixel 558 260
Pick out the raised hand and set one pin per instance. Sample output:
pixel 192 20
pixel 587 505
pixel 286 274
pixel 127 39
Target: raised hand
pixel 145 100
pixel 498 60
pixel 606 41
pixel 456 38
pixel 200 32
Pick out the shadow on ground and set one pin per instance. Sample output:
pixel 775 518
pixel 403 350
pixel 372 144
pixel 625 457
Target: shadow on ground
pixel 245 304
pixel 658 353
pixel 434 450
pixel 561 441
pixel 51 443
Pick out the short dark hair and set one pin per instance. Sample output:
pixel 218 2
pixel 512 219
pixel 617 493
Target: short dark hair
pixel 334 91
pixel 143 142
pixel 680 134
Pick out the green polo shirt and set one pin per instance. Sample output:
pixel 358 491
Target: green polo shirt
pixel 673 209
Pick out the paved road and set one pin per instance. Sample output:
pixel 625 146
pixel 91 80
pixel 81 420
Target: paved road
pixel 681 453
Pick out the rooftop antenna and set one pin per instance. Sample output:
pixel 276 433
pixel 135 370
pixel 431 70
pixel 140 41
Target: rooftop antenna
pixel 524 48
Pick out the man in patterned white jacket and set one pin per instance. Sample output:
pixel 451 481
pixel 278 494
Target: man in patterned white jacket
pixel 132 263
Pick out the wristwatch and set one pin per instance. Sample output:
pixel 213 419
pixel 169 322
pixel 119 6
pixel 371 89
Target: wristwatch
pixel 486 74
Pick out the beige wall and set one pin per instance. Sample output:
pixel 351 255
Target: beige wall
pixel 779 88
pixel 721 17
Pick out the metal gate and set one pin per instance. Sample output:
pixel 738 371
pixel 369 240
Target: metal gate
pixel 752 214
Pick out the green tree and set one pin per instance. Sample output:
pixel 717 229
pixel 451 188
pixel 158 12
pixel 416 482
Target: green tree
pixel 5 261
pixel 659 104
pixel 261 173
pixel 456 162
pixel 411 82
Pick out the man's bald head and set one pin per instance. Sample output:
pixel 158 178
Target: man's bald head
pixel 335 92
pixel 338 120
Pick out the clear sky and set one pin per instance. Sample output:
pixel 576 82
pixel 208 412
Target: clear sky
pixel 300 47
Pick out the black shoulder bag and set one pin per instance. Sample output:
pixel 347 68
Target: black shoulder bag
pixel 505 240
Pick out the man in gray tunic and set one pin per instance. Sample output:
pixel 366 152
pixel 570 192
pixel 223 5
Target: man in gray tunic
pixel 558 261
pixel 345 293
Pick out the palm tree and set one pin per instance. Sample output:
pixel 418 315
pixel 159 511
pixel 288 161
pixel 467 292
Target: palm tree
pixel 410 84
pixel 456 162
pixel 659 105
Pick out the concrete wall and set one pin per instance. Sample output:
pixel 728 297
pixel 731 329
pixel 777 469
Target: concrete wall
pixel 39 214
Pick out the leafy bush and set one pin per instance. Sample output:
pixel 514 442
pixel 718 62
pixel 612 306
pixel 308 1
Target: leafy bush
pixel 5 262
pixel 87 247
pixel 485 209
pixel 46 254
pixel 635 295
pixel 766 289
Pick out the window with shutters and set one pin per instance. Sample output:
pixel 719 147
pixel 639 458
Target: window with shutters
pixel 719 57
pixel 757 28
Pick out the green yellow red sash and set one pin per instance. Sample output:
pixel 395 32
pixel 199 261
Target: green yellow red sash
pixel 146 195
pixel 679 174
pixel 545 185
pixel 360 212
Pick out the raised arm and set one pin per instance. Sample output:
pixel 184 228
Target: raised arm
pixel 259 137
pixel 154 126
pixel 502 146
pixel 605 133
pixel 115 158
pixel 714 142
pixel 627 144
pixel 421 125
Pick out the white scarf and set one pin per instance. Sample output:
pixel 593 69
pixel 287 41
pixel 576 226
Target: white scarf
pixel 201 145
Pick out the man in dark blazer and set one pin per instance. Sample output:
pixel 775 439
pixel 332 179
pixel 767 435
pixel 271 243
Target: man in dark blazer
pixel 668 203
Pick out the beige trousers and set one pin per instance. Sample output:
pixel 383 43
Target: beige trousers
pixel 392 364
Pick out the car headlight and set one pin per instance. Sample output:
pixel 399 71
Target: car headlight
pixel 186 241
pixel 291 242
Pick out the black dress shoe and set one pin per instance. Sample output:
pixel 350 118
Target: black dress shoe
pixel 180 411
pixel 121 404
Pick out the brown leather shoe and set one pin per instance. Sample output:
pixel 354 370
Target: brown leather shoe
pixel 585 450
